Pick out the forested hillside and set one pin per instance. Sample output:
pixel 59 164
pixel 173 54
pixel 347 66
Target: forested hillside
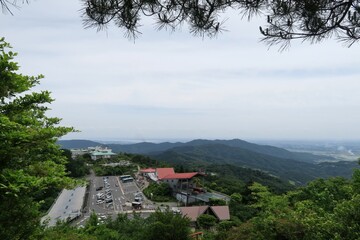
pixel 68 144
pixel 298 168
pixel 296 171
pixel 150 148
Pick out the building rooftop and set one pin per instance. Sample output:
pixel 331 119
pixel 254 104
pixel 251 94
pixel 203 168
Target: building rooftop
pixel 220 212
pixel 167 173
pixel 193 212
pixel 148 170
pixel 163 172
pixel 103 153
pixel 181 175
pixel 67 206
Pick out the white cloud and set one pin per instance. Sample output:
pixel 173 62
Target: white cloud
pixel 176 86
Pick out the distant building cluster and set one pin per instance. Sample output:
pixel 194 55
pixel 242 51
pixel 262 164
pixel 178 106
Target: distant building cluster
pixel 96 153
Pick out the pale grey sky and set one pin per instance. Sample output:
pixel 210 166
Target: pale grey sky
pixel 175 86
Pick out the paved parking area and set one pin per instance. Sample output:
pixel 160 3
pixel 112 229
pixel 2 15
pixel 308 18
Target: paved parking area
pixel 109 187
pixel 67 206
pixel 119 201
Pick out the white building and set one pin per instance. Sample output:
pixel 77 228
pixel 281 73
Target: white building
pixel 96 153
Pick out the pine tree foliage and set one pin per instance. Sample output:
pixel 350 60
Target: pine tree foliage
pixel 312 20
pixel 308 20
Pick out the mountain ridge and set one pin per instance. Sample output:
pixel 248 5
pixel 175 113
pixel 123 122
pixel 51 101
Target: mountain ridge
pixel 201 153
pixel 151 148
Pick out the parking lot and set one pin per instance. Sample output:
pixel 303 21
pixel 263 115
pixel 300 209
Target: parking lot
pixel 109 196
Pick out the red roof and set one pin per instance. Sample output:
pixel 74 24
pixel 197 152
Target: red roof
pixel 163 172
pixel 221 212
pixel 147 170
pixel 180 175
pixel 193 212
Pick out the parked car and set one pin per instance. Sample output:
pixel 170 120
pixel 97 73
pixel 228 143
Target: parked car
pixel 100 196
pixel 136 205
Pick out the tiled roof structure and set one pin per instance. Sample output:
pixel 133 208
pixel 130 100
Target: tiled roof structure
pixel 180 175
pixel 148 170
pixel 220 212
pixel 168 173
pixel 163 172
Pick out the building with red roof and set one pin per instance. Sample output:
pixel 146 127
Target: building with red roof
pixel 194 212
pixel 163 172
pixel 180 175
pixel 148 170
pixel 183 185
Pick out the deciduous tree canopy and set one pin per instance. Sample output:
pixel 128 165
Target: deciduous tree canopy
pixel 31 161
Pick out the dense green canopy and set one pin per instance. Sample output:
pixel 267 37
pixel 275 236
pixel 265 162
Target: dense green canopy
pixel 31 163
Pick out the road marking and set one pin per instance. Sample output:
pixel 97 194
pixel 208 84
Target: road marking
pixel 120 186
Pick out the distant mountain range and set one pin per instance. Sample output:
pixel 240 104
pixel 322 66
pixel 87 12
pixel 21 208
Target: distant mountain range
pixel 151 148
pixel 69 144
pixel 294 166
pixel 296 171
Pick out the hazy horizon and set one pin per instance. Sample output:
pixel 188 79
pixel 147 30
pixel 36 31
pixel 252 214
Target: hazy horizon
pixel 173 140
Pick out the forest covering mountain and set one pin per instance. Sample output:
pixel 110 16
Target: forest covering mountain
pixel 290 166
pixel 150 148
pixel 68 144
pixel 296 171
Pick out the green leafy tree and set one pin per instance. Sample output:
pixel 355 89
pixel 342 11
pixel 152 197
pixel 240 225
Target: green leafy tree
pixel 217 202
pixel 63 231
pixel 75 167
pixel 166 225
pixel 206 221
pixel 158 192
pixel 31 161
pixel 128 229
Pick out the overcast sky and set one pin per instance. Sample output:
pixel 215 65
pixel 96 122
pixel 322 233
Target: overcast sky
pixel 175 86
